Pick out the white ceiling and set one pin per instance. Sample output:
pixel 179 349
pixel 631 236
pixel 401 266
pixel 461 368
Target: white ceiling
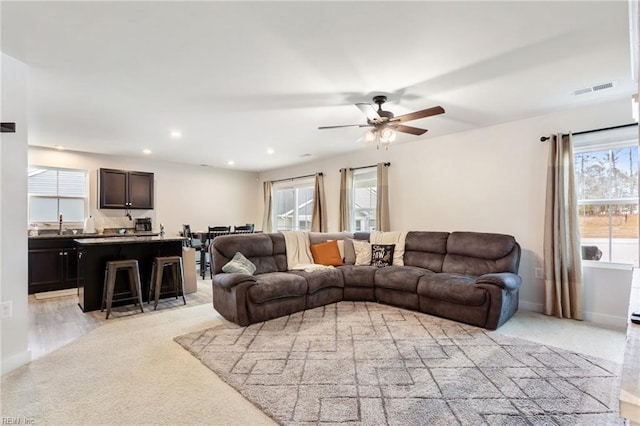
pixel 239 78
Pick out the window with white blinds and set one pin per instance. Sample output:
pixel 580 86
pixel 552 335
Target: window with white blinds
pixel 57 191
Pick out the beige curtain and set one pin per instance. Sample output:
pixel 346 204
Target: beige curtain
pixel 346 181
pixel 267 220
pixel 562 261
pixel 319 215
pixel 382 202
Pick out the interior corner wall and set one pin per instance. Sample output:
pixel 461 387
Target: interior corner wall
pixel 14 350
pixel 491 179
pixel 183 194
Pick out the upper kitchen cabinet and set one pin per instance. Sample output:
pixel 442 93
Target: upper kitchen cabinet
pixel 121 189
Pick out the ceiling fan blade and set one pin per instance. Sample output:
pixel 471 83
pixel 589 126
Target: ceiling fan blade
pixel 336 127
pixel 412 130
pixel 345 125
pixel 419 114
pixel 369 111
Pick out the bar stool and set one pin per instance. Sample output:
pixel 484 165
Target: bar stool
pixel 108 289
pixel 177 281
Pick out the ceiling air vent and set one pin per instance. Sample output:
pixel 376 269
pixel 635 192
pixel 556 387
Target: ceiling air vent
pixel 594 88
pixel 603 86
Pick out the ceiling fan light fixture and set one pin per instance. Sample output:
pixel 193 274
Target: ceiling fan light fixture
pixel 370 136
pixel 387 135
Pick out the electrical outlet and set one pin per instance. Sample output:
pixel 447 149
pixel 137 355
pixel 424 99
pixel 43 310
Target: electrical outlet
pixel 6 310
pixel 539 273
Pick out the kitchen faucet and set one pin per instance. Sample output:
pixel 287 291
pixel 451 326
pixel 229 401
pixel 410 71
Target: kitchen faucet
pixel 60 225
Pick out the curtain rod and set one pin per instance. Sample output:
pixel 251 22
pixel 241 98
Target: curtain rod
pixel 367 167
pixel 546 138
pixel 297 177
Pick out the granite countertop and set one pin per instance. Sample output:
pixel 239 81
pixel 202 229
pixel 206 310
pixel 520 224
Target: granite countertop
pixel 72 236
pixel 125 240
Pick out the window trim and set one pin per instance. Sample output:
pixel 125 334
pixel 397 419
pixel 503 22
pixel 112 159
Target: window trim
pixel 599 141
pixel 361 171
pixel 295 184
pixel 86 198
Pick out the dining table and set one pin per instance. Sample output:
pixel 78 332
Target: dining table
pixel 203 237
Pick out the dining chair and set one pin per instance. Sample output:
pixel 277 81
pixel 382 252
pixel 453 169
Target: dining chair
pixel 186 232
pixel 196 244
pixel 213 232
pixel 243 229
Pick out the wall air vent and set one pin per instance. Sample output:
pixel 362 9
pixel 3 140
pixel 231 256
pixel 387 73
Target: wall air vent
pixel 594 88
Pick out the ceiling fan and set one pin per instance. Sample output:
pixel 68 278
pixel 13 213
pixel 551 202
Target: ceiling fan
pixel 385 124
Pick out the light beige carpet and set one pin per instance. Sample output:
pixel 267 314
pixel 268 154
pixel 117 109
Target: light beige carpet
pixel 127 372
pixel 371 364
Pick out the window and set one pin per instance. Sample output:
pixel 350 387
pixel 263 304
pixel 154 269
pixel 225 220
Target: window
pixel 606 178
pixel 57 191
pixel 365 188
pixel 293 205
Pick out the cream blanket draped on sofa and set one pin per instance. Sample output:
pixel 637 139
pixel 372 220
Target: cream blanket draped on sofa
pixel 299 256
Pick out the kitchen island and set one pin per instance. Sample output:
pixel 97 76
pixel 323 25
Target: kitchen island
pixel 53 259
pixel 94 253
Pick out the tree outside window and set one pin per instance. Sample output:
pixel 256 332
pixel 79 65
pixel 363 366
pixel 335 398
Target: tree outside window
pixel 606 178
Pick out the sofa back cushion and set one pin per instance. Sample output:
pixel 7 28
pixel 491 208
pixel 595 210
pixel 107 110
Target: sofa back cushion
pixel 323 237
pixel 478 253
pixel 425 249
pixel 260 249
pixel 279 251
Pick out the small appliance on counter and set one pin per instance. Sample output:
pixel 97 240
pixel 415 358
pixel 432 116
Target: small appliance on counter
pixel 89 226
pixel 143 224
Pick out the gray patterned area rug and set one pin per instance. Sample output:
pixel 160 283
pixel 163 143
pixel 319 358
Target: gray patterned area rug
pixel 370 364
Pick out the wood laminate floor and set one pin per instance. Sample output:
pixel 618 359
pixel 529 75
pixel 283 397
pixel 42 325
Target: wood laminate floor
pixel 55 322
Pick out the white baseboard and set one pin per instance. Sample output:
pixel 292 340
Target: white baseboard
pixel 14 361
pixel 594 317
pixel 529 306
pixel 604 319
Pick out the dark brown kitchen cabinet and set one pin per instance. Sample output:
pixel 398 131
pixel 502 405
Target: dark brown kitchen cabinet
pixel 122 189
pixel 53 264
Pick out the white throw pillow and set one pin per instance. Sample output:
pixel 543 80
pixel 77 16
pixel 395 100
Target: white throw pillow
pixel 363 252
pixel 391 237
pixel 239 265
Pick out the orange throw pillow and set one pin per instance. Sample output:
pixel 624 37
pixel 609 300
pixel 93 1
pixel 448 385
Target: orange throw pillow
pixel 326 254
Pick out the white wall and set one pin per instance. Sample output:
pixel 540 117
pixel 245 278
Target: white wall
pixel 196 195
pixel 608 287
pixel 489 180
pixel 13 216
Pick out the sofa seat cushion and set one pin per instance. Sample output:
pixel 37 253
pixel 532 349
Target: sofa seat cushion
pixel 454 288
pixel 277 285
pixel 358 276
pixel 325 278
pixel 401 278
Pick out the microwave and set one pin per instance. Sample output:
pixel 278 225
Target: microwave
pixel 143 224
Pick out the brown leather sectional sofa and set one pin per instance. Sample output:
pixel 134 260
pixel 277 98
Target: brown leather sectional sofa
pixel 469 277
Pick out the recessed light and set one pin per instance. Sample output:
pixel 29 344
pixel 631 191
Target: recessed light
pixel 175 134
pixel 231 162
pixel 59 147
pixel 270 151
pixel 146 151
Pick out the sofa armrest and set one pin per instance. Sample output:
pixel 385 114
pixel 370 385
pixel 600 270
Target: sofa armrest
pixel 505 280
pixel 228 281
